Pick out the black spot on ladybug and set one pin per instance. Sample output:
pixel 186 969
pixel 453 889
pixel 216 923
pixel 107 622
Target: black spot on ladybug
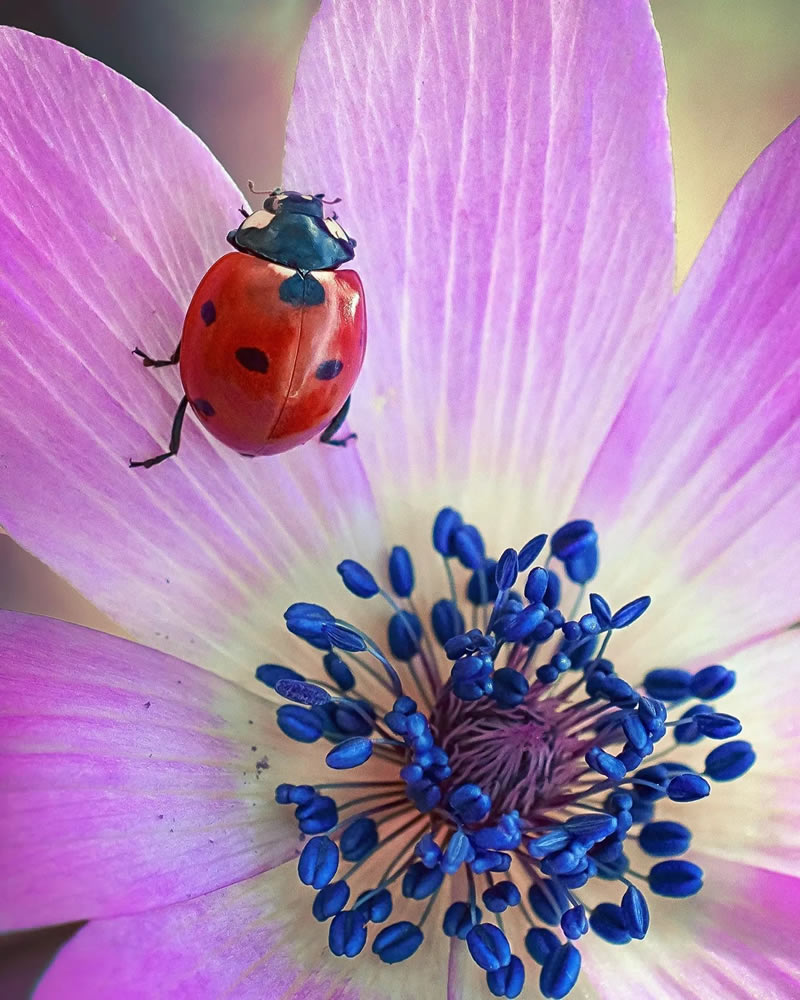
pixel 253 359
pixel 302 291
pixel 203 407
pixel 329 369
pixel 208 312
pixel 246 454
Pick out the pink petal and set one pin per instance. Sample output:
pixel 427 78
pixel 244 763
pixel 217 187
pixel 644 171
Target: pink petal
pixel 253 940
pixel 700 475
pixel 110 214
pixel 505 168
pixel 129 779
pixel 736 940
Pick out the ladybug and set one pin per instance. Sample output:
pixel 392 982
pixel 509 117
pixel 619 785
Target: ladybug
pixel 274 336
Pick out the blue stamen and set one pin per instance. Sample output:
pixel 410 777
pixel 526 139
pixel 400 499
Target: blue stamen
pixel 520 744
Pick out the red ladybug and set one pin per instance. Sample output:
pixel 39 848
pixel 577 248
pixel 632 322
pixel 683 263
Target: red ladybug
pixel 274 336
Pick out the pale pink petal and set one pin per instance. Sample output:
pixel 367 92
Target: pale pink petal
pixel 111 211
pixel 736 940
pixel 129 779
pixel 252 941
pixel 505 168
pixel 700 476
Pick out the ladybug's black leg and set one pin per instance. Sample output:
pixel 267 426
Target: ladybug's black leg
pixel 244 212
pixel 174 439
pixel 149 362
pixel 327 435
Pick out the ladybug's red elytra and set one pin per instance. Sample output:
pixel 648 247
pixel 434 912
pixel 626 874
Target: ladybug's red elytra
pixel 274 336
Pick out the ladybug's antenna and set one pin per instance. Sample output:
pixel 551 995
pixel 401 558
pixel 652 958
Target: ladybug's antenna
pixel 331 201
pixel 253 190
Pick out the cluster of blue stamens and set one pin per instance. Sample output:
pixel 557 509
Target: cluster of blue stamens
pixel 521 775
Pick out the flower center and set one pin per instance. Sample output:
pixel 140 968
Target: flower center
pixel 523 757
pixel 515 758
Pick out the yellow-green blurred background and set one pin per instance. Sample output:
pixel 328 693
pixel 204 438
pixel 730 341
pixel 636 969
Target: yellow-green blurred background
pixel 225 67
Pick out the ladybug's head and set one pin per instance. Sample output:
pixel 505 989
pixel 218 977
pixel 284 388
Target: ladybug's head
pixel 294 203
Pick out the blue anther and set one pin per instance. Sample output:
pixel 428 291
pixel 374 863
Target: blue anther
pixel 560 971
pixel 397 942
pixel 504 836
pixel 602 762
pixel 300 724
pixel 688 731
pixel 600 610
pixel 550 904
pixel 330 900
pixel 347 934
pixel 350 753
pixel 589 828
pixel 676 879
pixel 563 863
pixel 519 626
pixel 344 637
pixel 572 538
pixel 420 882
pixel 338 671
pixel 668 684
pixel 506 570
pixel 375 906
pixel 458 646
pixel 301 692
pixel 458 920
pixel 651 711
pixel 536 585
pixel 543 631
pixel 571 631
pixel 530 550
pixel 540 942
pixel 358 839
pixel 271 673
pixel 552 596
pixel 489 947
pixel 589 624
pixel 509 687
pixel 618 691
pixel 490 861
pixel 508 981
pixel 469 803
pixel 635 913
pixel 547 674
pixel 582 567
pixel 712 682
pixel 628 613
pixel 317 815
pixel 357 578
pixel 446 621
pixel 688 788
pixel 635 731
pixel 447 522
pixel 318 862
pixel 351 718
pixel 656 774
pixel 428 851
pixel 608 921
pixel 618 801
pixel 718 725
pixel 308 621
pixel 401 571
pixel 552 842
pixel 497 898
pixel 574 923
pixel 296 794
pixel 471 668
pixel 404 633
pixel 481 588
pixel 424 795
pixel 458 850
pixel 469 546
pixel 730 761
pixel 405 705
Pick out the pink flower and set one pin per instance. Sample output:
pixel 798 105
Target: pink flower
pixel 505 168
